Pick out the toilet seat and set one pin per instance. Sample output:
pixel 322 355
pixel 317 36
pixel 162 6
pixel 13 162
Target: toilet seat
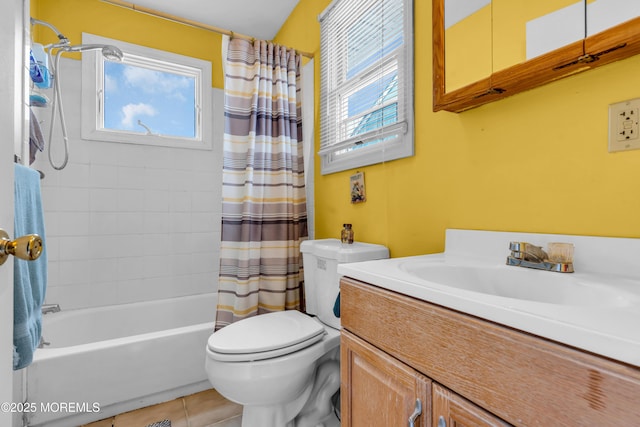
pixel 265 336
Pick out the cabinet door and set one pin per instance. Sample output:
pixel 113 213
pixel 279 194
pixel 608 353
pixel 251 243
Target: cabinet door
pixel 452 410
pixel 602 14
pixel 467 43
pixel 378 390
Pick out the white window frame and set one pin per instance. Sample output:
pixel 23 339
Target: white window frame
pixel 92 96
pixel 337 155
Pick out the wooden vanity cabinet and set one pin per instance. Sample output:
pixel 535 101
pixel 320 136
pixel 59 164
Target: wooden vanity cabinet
pixel 378 390
pixel 469 371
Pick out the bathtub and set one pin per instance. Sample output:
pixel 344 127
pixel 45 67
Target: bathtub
pixel 108 360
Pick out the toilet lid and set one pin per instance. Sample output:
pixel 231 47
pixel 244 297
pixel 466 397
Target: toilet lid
pixel 265 336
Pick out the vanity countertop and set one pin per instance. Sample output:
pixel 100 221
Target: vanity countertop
pixel 605 326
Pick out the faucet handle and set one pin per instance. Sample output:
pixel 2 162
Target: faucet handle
pixel 514 246
pixel 560 252
pixel 527 251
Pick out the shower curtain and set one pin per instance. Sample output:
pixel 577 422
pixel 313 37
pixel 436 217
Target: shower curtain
pixel 264 216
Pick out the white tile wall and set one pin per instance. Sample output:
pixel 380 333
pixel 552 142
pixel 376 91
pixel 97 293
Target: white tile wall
pixel 128 222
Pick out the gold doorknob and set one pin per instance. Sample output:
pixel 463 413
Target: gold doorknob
pixel 27 247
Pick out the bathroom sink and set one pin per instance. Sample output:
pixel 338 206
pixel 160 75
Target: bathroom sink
pixel 596 309
pixel 519 283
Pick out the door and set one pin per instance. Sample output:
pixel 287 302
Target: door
pixel 377 390
pixel 11 118
pixel 451 410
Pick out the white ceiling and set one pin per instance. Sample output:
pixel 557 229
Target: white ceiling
pixel 256 18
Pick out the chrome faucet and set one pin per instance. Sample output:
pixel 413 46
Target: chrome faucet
pixel 50 308
pixel 525 254
pixel 43 343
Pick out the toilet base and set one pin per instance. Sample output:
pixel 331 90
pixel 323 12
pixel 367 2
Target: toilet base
pixel 331 421
pixel 313 408
pixel 319 410
pixel 275 415
pixel 266 419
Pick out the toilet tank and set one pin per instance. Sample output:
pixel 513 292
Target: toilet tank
pixel 321 278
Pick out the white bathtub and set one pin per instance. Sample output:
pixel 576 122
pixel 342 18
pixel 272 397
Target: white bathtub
pixel 108 360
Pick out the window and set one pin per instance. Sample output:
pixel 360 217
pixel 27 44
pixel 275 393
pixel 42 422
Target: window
pixel 366 83
pixel 150 97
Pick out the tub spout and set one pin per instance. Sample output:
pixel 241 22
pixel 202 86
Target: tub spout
pixel 50 308
pixel 43 343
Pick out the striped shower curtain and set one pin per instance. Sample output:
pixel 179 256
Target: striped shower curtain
pixel 264 216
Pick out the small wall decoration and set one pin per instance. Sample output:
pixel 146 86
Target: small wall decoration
pixel 358 194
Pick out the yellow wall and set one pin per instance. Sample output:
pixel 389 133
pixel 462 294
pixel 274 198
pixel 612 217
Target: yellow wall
pixel 534 162
pixel 73 17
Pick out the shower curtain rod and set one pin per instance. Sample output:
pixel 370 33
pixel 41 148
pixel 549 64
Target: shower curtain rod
pixel 196 24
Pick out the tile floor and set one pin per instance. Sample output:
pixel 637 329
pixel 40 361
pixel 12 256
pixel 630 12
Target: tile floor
pixel 204 409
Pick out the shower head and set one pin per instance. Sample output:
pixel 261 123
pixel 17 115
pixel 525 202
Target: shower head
pixel 112 53
pixel 108 51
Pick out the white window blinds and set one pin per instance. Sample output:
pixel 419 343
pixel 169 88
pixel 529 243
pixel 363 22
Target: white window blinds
pixel 366 83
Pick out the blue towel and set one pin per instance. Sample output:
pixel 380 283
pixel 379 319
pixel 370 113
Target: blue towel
pixel 29 277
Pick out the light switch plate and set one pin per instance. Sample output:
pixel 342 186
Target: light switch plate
pixel 624 132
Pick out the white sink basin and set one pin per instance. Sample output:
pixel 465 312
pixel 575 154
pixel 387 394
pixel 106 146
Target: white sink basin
pixel 520 283
pixel 596 309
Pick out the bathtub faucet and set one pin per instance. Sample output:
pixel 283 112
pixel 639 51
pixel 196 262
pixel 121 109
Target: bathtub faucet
pixel 50 308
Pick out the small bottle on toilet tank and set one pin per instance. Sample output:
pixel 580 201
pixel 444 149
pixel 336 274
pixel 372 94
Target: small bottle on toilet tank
pixel 346 236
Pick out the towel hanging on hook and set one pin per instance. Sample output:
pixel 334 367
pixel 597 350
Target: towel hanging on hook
pixel 36 139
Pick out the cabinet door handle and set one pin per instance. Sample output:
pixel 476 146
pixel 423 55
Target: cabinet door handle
pixel 416 413
pixel 442 422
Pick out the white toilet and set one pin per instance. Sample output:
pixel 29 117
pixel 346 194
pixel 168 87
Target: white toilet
pixel 284 367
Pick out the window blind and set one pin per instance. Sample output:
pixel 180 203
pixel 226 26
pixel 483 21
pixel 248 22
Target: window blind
pixel 366 82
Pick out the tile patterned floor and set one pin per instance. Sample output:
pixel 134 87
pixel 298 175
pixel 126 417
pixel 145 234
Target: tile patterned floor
pixel 205 409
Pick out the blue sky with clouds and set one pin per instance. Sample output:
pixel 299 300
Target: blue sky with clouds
pixel 163 102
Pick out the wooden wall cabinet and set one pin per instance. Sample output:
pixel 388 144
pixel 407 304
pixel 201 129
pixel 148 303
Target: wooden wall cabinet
pixel 612 44
pixel 468 371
